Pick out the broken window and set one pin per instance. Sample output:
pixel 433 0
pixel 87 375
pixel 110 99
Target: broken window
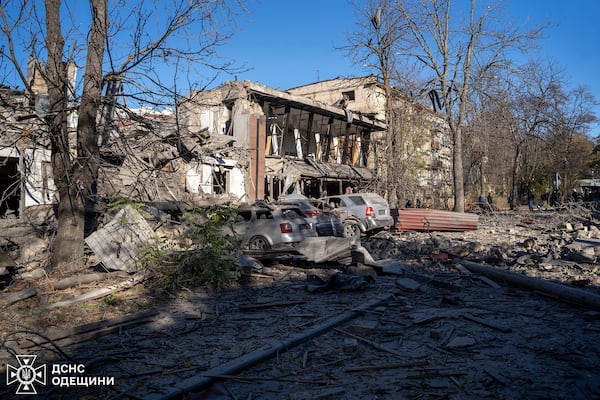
pixel 220 180
pixel 349 95
pixel 113 159
pixel 264 214
pixel 10 184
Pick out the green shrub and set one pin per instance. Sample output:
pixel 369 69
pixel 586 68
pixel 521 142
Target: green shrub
pixel 206 255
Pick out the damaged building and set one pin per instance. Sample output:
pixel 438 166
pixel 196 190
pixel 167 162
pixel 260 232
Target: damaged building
pixel 25 170
pixel 144 155
pixel 427 143
pixel 239 142
pixel 291 143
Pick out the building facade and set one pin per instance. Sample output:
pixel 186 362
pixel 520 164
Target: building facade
pixel 239 142
pixel 283 143
pixel 424 162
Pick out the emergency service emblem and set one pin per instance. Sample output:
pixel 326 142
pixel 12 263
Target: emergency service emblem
pixel 26 375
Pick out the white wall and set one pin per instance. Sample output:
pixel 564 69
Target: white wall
pixel 199 179
pixel 39 186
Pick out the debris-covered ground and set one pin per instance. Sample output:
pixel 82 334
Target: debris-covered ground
pixel 418 325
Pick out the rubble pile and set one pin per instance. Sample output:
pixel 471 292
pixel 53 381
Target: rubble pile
pixel 410 315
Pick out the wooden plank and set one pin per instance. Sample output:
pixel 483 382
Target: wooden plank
pixel 120 321
pixel 11 298
pixel 560 292
pixel 87 278
pixel 99 293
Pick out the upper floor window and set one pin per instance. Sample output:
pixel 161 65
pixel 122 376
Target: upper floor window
pixel 350 95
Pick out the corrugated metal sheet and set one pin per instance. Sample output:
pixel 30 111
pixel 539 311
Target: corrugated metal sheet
pixel 424 219
pixel 119 242
pixel 315 169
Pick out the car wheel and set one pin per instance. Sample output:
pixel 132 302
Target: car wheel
pixel 258 243
pixel 351 230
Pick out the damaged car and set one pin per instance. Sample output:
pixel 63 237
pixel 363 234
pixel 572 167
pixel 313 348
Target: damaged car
pixel 361 213
pixel 263 226
pixel 325 221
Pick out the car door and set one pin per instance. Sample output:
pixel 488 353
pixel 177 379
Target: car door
pixel 340 206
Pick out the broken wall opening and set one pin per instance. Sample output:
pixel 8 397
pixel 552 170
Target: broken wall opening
pixel 10 187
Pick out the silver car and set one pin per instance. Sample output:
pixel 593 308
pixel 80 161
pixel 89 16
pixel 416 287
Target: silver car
pixel 263 226
pixel 361 212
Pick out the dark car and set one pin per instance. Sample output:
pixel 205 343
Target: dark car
pixel 330 221
pixel 326 222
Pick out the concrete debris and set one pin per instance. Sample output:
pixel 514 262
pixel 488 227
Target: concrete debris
pixel 118 243
pixel 337 281
pixel 461 341
pixel 6 263
pixel 408 285
pixel 34 274
pixel 325 248
pixel 446 315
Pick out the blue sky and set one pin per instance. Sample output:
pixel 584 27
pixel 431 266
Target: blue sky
pixel 289 43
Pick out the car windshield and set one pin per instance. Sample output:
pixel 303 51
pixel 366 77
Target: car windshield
pixel 375 199
pixel 322 206
pixel 290 214
pixel 358 200
pixel 264 214
pixel 303 205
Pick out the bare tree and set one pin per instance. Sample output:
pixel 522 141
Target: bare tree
pixel 374 45
pixel 530 120
pixel 515 110
pixel 146 48
pixel 459 52
pixel 568 146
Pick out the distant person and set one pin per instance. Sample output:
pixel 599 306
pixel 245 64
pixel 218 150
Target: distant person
pixel 511 202
pixel 481 201
pixel 545 199
pixel 557 198
pixel 418 203
pixel 348 189
pixel 530 200
pixel 490 201
pixel 408 204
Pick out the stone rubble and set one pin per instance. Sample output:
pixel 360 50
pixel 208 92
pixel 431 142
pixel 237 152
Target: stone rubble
pixel 441 332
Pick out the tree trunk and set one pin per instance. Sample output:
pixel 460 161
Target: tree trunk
pixel 91 99
pixel 457 165
pixel 75 181
pixel 65 248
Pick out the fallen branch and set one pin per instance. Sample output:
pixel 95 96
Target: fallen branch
pixel 435 374
pixel 271 304
pixel 99 293
pixel 265 379
pixel 11 298
pixel 87 278
pixel 386 366
pixel 371 343
pixel 95 329
pixel 487 323
pixel 102 332
pixel 555 290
